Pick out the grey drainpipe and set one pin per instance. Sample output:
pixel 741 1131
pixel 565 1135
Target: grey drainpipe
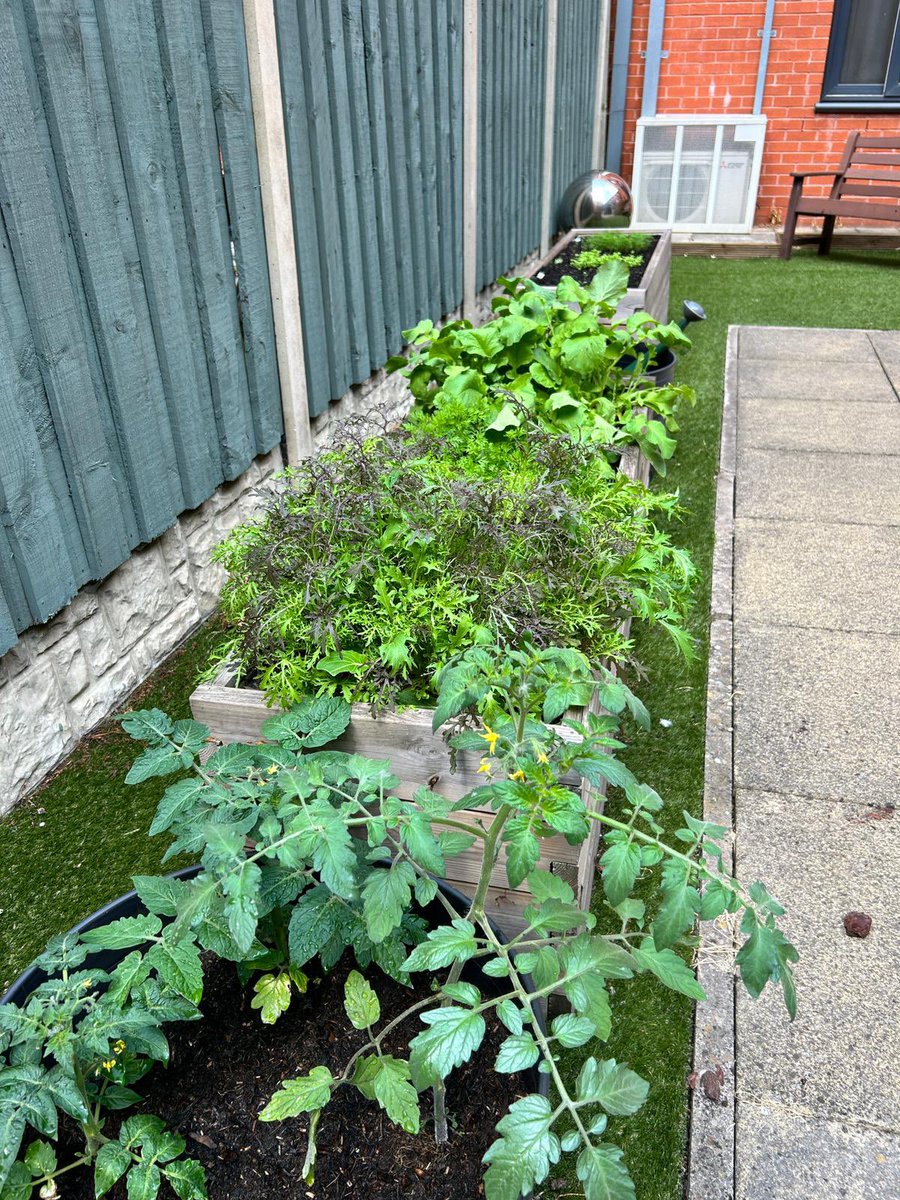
pixel 618 85
pixel 766 33
pixel 653 56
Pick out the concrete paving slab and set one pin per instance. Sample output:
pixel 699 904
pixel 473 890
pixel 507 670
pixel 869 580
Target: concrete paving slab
pixel 783 1155
pixel 840 1057
pixel 849 380
pixel 810 345
pixel 820 425
pixel 817 575
pixel 816 712
pixel 886 345
pixel 791 485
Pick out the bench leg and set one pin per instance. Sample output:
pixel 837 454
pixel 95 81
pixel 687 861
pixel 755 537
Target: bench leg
pixel 790 221
pixel 825 239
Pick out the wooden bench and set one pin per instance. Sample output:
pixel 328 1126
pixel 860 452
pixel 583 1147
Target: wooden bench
pixel 866 185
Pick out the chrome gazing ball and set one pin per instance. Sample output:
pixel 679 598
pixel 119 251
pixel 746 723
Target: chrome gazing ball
pixel 594 200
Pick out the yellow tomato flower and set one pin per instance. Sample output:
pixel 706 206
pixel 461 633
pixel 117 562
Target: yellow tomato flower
pixel 519 776
pixel 490 737
pixel 542 757
pixel 119 1047
pixel 109 1064
pixel 273 770
pixel 485 768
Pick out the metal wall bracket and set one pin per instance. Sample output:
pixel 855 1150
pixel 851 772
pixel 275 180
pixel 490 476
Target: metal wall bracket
pixel 662 54
pixel 773 33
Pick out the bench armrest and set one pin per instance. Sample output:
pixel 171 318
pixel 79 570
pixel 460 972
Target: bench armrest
pixel 809 174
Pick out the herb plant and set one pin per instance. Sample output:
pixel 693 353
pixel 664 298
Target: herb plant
pixel 382 559
pixel 79 1043
pixel 275 823
pixel 618 241
pixel 586 260
pixel 561 358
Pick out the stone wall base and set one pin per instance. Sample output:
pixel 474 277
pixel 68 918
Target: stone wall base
pixel 63 677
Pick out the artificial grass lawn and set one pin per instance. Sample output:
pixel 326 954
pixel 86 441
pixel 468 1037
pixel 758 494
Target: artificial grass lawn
pixel 76 842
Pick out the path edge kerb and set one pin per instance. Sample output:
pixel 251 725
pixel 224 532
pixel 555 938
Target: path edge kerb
pixel 711 1128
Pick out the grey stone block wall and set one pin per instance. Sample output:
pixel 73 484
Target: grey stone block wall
pixel 62 678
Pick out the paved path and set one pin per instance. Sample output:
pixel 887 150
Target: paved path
pixel 807 595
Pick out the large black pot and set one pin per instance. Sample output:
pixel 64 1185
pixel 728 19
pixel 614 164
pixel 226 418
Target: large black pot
pixel 660 371
pixel 130 905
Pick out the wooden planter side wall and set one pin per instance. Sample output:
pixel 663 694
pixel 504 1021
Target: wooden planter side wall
pixel 653 294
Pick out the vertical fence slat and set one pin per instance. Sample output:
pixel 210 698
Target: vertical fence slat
pixel 313 298
pixel 134 70
pixel 194 138
pixel 76 104
pixel 229 81
pixel 384 201
pixel 45 560
pixel 346 199
pixel 46 270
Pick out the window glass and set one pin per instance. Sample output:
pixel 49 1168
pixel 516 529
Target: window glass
pixel 870 32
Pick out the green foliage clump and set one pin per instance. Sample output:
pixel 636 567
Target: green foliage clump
pixel 275 825
pixel 586 260
pixel 618 241
pixel 559 358
pixel 77 1045
pixel 385 557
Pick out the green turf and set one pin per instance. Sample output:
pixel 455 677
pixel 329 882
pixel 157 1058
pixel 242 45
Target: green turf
pixel 74 844
pixel 653 1027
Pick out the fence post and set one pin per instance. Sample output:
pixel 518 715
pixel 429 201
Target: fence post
pixel 549 125
pixel 275 187
pixel 470 156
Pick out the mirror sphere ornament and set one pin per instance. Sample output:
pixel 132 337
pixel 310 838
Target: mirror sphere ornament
pixel 595 200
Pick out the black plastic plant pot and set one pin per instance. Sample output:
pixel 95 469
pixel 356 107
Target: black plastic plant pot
pixel 130 905
pixel 660 371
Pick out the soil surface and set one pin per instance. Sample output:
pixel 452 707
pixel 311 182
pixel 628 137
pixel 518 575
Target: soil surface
pixel 224 1069
pixel 550 275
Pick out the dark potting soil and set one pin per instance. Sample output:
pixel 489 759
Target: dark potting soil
pixel 550 275
pixel 224 1069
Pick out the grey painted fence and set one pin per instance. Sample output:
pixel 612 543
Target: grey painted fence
pixel 137 367
pixel 374 121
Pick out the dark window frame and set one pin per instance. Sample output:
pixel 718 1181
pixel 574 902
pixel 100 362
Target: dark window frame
pixel 838 97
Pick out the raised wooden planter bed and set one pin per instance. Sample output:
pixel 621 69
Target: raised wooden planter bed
pixel 420 757
pixel 652 294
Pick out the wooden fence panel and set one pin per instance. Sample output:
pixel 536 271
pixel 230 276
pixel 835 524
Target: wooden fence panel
pixel 136 372
pixel 512 70
pixel 576 71
pixel 372 98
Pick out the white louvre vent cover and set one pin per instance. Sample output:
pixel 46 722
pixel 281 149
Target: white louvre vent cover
pixel 697 173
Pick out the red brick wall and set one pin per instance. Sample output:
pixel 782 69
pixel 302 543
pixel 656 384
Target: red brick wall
pixel 713 58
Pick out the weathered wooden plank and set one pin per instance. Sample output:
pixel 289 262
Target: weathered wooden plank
pixel 134 70
pixel 324 184
pixel 242 159
pixel 313 298
pixel 384 200
pixel 410 114
pixel 48 277
pixel 37 486
pixel 8 635
pixel 350 186
pixel 353 104
pixel 76 104
pixel 194 137
pixel 426 131
pixel 39 576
